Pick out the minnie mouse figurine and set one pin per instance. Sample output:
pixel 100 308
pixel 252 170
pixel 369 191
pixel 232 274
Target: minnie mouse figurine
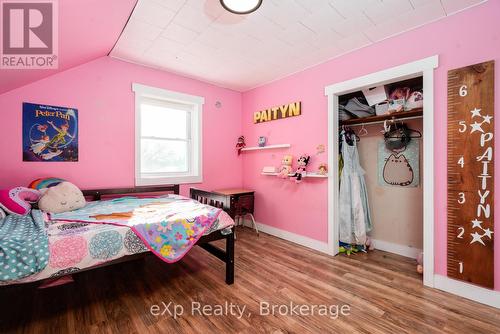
pixel 302 163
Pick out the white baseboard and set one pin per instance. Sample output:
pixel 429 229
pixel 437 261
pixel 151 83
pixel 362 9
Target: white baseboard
pixel 402 250
pixel 292 237
pixel 323 246
pixel 469 291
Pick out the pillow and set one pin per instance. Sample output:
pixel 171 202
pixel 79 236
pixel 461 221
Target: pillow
pixel 16 200
pixel 47 182
pixel 61 198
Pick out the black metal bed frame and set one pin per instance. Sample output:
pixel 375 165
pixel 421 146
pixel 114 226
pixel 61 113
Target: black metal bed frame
pixel 205 197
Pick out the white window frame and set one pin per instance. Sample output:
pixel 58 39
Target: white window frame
pixel 194 174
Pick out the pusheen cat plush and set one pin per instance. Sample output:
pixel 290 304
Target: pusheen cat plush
pixel 61 198
pixel 397 171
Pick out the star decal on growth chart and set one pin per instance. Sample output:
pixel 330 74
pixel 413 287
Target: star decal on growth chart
pixel 476 237
pixel 487 119
pixel 475 112
pixel 488 233
pixel 476 127
pixel 476 223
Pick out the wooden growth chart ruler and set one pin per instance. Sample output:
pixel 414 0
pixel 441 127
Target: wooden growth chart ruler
pixel 471 173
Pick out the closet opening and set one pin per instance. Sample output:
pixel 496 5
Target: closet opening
pixel 380 193
pixel 381 140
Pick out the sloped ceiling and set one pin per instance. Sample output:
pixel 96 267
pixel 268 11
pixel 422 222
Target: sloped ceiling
pixel 199 39
pixel 88 29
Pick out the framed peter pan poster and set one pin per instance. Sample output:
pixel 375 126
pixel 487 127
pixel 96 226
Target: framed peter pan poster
pixel 50 133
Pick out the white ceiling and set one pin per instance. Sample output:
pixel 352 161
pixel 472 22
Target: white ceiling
pixel 199 39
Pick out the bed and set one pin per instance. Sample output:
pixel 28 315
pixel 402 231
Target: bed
pixel 79 246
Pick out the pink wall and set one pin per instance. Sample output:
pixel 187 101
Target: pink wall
pixel 86 31
pixel 101 90
pixel 466 38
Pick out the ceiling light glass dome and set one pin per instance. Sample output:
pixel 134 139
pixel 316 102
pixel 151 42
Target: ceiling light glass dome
pixel 241 6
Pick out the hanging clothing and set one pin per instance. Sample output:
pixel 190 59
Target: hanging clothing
pixel 341 165
pixel 354 210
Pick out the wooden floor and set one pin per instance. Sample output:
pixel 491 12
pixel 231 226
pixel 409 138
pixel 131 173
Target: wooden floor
pixel 384 294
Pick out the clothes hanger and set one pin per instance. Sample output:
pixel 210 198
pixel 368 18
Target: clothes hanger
pixel 362 132
pixel 396 130
pixel 387 127
pixel 349 135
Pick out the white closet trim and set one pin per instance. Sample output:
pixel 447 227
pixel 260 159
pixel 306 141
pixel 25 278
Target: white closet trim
pixel 424 67
pixel 398 73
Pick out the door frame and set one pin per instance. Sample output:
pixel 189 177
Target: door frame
pixel 425 68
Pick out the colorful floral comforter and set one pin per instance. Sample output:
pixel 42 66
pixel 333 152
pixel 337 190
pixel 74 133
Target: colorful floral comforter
pixel 74 246
pixel 169 226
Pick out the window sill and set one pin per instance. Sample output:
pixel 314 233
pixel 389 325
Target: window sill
pixel 157 181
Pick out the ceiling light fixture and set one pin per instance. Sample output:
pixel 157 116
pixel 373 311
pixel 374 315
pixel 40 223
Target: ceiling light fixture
pixel 241 7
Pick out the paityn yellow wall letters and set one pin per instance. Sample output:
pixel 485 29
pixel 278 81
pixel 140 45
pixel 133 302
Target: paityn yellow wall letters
pixel 283 111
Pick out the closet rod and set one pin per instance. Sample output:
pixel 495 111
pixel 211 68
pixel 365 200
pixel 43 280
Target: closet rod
pixel 381 122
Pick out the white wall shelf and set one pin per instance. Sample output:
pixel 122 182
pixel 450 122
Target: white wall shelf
pixel 306 175
pixel 268 147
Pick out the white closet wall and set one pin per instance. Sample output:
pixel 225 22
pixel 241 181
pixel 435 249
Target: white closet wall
pixel 397 212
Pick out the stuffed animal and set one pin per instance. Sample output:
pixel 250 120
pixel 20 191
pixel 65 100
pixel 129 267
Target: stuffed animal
pixel 286 166
pixel 323 169
pixel 46 182
pixel 61 198
pixel 240 144
pixel 302 163
pixel 369 244
pixel 400 93
pixel 262 141
pixel 17 200
pixel 420 263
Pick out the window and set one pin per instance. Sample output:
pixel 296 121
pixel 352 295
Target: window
pixel 168 136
